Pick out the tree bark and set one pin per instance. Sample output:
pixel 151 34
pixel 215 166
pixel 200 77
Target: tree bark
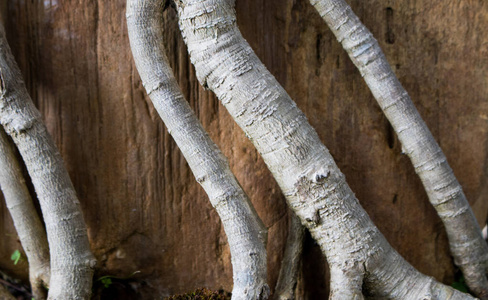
pixel 287 279
pixel 245 231
pixel 358 255
pixel 72 262
pixel 143 208
pixel 468 248
pixel 27 223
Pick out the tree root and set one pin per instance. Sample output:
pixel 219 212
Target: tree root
pixel 443 189
pixel 287 279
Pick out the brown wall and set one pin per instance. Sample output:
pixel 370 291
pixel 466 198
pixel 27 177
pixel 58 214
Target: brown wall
pixel 143 208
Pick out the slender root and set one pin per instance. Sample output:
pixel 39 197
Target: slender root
pixel 475 278
pixel 287 280
pixel 39 288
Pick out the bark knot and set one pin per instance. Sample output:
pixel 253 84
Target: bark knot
pixel 91 263
pixel 23 125
pixel 310 188
pixel 201 179
pixel 313 218
pixel 320 176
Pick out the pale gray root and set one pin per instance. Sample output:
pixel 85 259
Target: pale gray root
pixel 468 248
pixel 315 188
pixel 26 220
pixel 71 260
pixel 244 229
pixel 346 284
pixel 287 279
pixel 4 293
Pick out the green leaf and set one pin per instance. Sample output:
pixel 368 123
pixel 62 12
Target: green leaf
pixel 107 281
pixel 16 256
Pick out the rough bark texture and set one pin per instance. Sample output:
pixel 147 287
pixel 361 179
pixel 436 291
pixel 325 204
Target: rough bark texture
pixel 244 229
pixel 361 261
pixel 71 260
pixel 27 223
pixel 143 209
pixel 469 249
pixel 287 279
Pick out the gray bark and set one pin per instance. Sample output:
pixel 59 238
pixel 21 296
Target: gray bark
pixel 358 254
pixel 244 229
pixel 24 215
pixel 287 279
pixel 72 262
pixel 467 246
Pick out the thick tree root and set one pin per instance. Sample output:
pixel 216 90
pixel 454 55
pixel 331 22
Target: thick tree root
pixel 245 231
pixel 71 261
pixel 315 188
pixel 26 220
pixel 467 246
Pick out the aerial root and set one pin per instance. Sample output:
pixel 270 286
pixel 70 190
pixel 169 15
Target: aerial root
pixel 287 280
pixel 39 279
pixel 346 284
pixel 439 291
pixel 475 278
pixel 39 290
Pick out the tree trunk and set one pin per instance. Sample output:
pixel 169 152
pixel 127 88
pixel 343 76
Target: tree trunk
pixel 71 261
pixel 245 231
pixel 361 261
pixel 143 209
pixel 26 220
pixel 446 195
